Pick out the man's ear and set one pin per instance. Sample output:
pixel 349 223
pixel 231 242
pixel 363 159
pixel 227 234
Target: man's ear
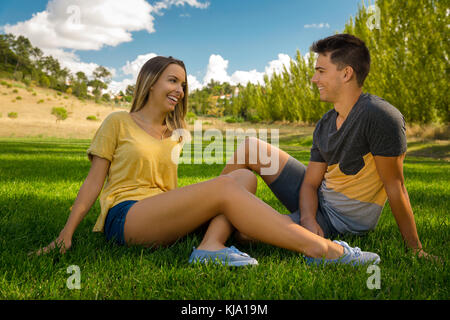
pixel 348 73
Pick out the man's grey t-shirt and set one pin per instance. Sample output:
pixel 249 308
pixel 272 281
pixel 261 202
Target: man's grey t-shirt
pixel 352 193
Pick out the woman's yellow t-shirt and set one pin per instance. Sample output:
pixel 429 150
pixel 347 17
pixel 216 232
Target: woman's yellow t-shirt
pixel 141 165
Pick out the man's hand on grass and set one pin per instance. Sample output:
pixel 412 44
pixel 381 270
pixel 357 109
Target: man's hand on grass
pixel 312 225
pixel 422 254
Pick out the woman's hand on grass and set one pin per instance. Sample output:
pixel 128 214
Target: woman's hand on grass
pixel 63 242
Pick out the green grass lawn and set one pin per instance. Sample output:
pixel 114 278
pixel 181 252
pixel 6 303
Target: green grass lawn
pixel 40 178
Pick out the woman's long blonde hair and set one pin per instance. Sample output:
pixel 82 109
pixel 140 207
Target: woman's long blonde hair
pixel 147 77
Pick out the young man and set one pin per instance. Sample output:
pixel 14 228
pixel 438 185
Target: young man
pixel 356 161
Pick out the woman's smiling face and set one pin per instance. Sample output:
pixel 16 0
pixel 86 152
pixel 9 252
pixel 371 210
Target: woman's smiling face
pixel 169 88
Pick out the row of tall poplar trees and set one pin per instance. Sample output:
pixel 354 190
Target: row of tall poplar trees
pixel 408 42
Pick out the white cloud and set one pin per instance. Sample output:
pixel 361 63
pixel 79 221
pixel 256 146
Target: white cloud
pixel 193 83
pixel 276 66
pixel 165 4
pixel 132 68
pixel 307 55
pixel 317 26
pixel 116 86
pixel 244 77
pixel 71 61
pixel 85 24
pixel 90 25
pixel 217 69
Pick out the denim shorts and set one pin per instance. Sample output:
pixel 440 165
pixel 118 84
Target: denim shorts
pixel 115 221
pixel 287 189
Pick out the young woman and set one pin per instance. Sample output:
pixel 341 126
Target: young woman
pixel 141 204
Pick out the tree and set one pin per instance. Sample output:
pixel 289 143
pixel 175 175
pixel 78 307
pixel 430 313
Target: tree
pixel 79 85
pixel 22 48
pixel 6 41
pixel 97 87
pixel 102 77
pixel 409 56
pixel 103 74
pixel 129 91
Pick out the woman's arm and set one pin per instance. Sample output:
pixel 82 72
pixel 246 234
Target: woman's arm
pixel 86 197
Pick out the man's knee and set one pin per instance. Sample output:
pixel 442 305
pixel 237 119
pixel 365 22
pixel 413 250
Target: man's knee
pixel 248 153
pixel 246 178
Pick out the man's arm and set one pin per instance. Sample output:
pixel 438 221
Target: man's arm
pixel 390 170
pixel 308 196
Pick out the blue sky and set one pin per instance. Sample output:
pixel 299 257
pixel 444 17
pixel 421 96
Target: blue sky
pixel 225 40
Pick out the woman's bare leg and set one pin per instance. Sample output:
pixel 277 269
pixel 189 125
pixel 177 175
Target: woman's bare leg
pixel 249 151
pixel 164 218
pixel 220 229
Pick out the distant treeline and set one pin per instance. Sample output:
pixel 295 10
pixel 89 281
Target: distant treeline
pixel 408 42
pixel 20 61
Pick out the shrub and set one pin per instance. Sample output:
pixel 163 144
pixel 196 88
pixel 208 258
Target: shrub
pixel 106 97
pixel 254 118
pixel 18 75
pixel 191 116
pixel 18 98
pixel 92 118
pixel 12 115
pixel 234 120
pixel 60 113
pixel 44 81
pixel 27 81
pixel 15 91
pixel 40 101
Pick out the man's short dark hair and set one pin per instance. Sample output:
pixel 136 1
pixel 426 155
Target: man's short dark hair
pixel 346 50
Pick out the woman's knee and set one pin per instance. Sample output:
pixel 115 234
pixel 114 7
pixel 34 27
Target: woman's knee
pixel 227 182
pixel 226 187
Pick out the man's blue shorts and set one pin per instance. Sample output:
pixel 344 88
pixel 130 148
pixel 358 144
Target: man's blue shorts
pixel 115 221
pixel 287 189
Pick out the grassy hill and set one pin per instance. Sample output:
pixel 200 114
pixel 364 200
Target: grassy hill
pixel 33 106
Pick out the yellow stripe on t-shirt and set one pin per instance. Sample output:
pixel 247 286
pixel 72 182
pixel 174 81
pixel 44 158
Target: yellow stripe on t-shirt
pixel 365 186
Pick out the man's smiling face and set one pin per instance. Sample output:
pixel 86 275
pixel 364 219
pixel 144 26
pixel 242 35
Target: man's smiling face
pixel 327 78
